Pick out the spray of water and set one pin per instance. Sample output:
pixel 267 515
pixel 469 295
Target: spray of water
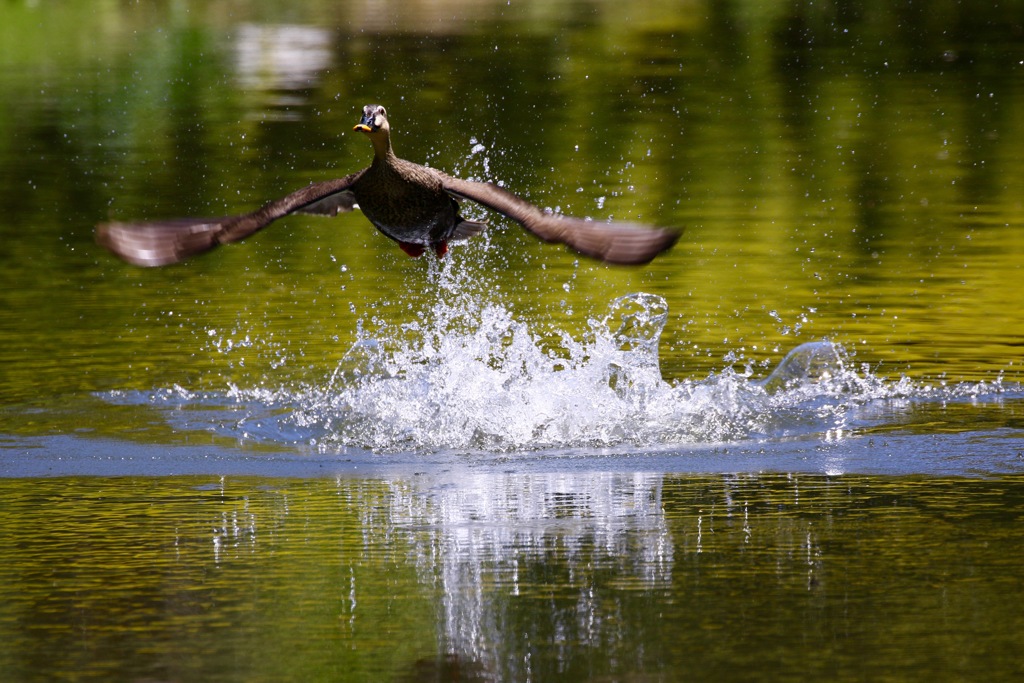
pixel 468 375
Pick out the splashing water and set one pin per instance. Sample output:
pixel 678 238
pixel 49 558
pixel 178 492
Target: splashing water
pixel 469 376
pixel 488 382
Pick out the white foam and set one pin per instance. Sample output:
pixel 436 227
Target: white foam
pixel 469 375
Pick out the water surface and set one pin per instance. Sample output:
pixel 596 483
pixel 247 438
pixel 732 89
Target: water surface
pixel 791 448
pixel 453 574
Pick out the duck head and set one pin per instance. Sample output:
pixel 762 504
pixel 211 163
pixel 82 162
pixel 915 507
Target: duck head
pixel 375 124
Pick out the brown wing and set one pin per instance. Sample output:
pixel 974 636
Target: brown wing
pixel 331 205
pixel 619 243
pixel 160 243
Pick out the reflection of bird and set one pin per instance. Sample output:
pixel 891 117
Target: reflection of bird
pixel 414 205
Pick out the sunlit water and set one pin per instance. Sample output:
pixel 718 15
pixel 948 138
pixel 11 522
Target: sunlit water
pixel 468 376
pixel 458 574
pixel 790 449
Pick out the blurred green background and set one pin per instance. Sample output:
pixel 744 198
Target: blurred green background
pixel 844 170
pixel 849 170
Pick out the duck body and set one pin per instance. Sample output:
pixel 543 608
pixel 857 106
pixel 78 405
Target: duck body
pixel 404 200
pixel 414 205
pixel 408 203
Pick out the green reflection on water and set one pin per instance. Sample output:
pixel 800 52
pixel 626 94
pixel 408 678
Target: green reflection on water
pixel 562 576
pixel 192 580
pixel 835 180
pixel 851 171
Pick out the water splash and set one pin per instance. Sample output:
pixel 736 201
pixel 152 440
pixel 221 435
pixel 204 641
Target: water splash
pixel 483 379
pixel 468 375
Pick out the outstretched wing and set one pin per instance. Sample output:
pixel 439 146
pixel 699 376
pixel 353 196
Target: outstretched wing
pixel 619 243
pixel 160 243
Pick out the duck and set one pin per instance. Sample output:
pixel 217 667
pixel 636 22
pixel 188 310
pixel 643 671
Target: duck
pixel 416 206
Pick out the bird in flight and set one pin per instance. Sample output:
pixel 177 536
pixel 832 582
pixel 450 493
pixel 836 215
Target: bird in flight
pixel 414 205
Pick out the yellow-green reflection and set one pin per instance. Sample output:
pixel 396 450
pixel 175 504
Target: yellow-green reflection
pixel 197 580
pixel 844 170
pixel 839 176
pixel 510 576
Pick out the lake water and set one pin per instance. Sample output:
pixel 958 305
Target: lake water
pixel 792 448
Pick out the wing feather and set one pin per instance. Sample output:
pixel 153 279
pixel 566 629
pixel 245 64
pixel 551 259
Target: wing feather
pixel 159 243
pixel 619 243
